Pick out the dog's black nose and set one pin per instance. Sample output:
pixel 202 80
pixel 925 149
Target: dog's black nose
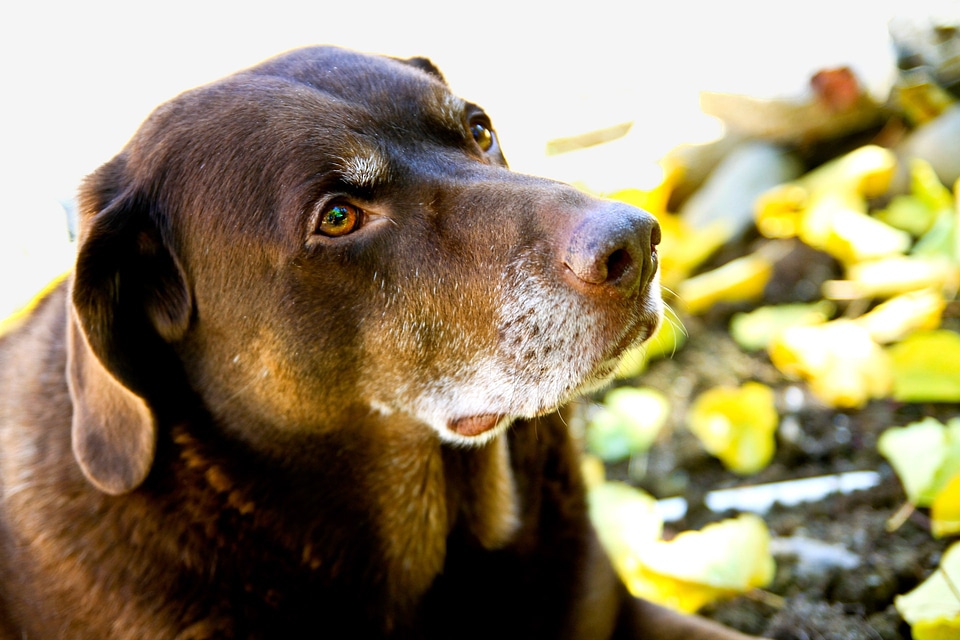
pixel 614 246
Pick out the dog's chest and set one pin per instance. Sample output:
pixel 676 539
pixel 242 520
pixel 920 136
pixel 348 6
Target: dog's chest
pixel 372 531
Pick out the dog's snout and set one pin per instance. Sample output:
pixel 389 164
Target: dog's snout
pixel 614 246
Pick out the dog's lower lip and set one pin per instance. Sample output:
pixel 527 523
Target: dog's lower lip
pixel 475 425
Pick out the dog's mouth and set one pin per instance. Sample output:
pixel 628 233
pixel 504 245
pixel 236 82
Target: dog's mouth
pixel 472 426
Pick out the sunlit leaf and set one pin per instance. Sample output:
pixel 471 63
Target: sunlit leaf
pixel 739 280
pixel 698 567
pixel 755 330
pixel 945 510
pixel 933 609
pixel 626 520
pixel 899 316
pixel 837 223
pixel 925 184
pixel 627 423
pixel 941 239
pixel 683 248
pixel 889 276
pixel 593 470
pixel 926 367
pixel 695 568
pixel 737 425
pixel 909 213
pixel 925 455
pixel 841 363
pixel 652 200
pixel 778 211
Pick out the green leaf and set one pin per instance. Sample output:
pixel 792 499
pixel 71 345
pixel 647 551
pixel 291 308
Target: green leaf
pixel 925 455
pixel 933 608
pixel 627 424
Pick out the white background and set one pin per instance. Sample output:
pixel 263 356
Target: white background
pixel 78 77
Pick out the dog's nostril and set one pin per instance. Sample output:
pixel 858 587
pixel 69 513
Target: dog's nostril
pixel 617 264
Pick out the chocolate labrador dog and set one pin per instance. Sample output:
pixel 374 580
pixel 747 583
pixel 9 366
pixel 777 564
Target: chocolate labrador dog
pixel 304 380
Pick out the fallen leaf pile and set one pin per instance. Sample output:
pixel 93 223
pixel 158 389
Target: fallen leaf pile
pixel 886 213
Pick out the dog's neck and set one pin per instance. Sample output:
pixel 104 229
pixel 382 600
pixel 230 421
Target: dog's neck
pixel 395 493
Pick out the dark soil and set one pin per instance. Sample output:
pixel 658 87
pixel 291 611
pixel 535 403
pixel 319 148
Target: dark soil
pixel 810 598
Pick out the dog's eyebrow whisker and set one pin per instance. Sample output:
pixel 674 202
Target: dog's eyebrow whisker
pixel 364 170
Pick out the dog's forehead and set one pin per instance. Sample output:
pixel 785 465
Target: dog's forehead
pixel 410 87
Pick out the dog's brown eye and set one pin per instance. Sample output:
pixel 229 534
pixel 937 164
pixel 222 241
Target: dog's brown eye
pixel 482 134
pixel 339 219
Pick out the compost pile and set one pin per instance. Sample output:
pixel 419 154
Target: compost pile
pixel 811 259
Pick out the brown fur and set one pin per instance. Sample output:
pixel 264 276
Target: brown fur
pixel 228 425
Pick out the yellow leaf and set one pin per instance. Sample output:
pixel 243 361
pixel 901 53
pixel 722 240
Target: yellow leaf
pixel 926 367
pixel 866 172
pixel 909 213
pixel 778 211
pixel 737 425
pixel 699 567
pixel 837 222
pixel 683 248
pixel 694 568
pixel 925 455
pixel 938 629
pixel 933 609
pixel 739 280
pixel 890 276
pixel 18 317
pixel 899 316
pixel 839 360
pixel 626 519
pixel 756 329
pixel 945 510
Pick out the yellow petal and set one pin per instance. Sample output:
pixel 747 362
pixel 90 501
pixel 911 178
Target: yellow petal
pixel 737 425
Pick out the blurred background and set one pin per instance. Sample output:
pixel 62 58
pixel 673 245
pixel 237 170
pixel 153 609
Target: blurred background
pixel 79 77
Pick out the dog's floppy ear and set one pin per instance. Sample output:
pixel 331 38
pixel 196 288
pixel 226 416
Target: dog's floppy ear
pixel 129 299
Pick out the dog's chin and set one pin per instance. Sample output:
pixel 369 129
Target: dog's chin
pixel 478 430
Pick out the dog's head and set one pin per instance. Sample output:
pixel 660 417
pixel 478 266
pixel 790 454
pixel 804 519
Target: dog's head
pixel 331 236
